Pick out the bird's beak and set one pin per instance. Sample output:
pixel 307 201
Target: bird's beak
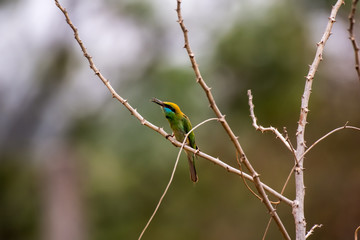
pixel 157 101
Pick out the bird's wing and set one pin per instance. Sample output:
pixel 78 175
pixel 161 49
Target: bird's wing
pixel 187 128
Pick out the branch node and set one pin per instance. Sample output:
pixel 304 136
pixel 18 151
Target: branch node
pixel 222 118
pixel 255 175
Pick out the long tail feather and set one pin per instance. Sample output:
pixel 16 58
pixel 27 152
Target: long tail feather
pixel 191 160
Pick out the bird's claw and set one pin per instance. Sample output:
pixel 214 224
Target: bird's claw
pixel 169 135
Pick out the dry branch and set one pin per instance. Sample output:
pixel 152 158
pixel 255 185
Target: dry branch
pixel 328 134
pixel 313 229
pixel 352 36
pixel 148 124
pixel 172 175
pixel 298 208
pixel 226 126
pixel 263 129
pixel 356 233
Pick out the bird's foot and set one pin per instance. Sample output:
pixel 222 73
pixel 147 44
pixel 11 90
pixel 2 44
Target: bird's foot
pixel 197 151
pixel 169 135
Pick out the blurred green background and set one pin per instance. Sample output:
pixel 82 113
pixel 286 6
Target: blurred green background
pixel 74 164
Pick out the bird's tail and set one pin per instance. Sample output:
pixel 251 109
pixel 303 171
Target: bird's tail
pixel 191 160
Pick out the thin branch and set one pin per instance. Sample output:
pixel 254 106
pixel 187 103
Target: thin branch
pixel 282 191
pixel 312 230
pixel 263 129
pixel 247 186
pixel 226 126
pixel 356 233
pixel 161 131
pixel 352 36
pixel 298 208
pixel 292 170
pixel 328 134
pixel 172 175
pixel 285 140
pixel 291 146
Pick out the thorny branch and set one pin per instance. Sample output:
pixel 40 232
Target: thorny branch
pixel 298 208
pixel 263 129
pixel 352 36
pixel 313 229
pixel 292 170
pixel 161 131
pixel 226 126
pixel 301 127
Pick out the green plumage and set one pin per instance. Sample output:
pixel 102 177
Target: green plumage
pixel 181 125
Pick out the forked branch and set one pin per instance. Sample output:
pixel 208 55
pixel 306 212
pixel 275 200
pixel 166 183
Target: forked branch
pixel 226 126
pixel 172 175
pixel 148 124
pixel 263 129
pixel 298 208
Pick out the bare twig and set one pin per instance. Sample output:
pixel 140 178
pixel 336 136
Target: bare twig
pixel 352 36
pixel 292 170
pixel 290 144
pixel 172 175
pixel 298 208
pixel 285 140
pixel 313 229
pixel 282 191
pixel 356 233
pixel 247 186
pixel 226 126
pixel 328 134
pixel 161 131
pixel 263 129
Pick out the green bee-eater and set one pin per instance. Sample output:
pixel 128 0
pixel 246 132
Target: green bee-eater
pixel 180 124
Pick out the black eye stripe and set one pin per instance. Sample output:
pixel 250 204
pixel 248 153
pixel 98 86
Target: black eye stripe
pixel 169 107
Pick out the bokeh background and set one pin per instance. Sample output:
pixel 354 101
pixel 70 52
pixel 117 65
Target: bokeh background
pixel 74 164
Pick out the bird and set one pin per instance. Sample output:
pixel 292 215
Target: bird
pixel 180 125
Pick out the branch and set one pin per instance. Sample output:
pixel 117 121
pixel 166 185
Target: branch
pixel 226 126
pixel 263 129
pixel 159 130
pixel 230 169
pixel 282 191
pixel 312 230
pixel 298 208
pixel 356 233
pixel 172 175
pixel 352 35
pixel 311 74
pixel 247 186
pixel 328 134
